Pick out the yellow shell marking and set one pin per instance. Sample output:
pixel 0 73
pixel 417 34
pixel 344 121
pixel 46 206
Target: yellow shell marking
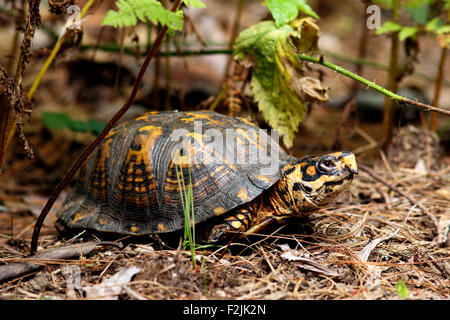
pixel 134 229
pixel 161 227
pixel 98 186
pixel 147 115
pixel 240 216
pixel 219 210
pixel 142 155
pixel 197 116
pixel 246 121
pixel 197 137
pixel 244 133
pixel 78 216
pixel 266 179
pixel 242 194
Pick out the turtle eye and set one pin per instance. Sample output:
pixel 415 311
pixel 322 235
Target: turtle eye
pixel 327 165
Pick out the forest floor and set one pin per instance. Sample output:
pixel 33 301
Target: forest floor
pixel 386 237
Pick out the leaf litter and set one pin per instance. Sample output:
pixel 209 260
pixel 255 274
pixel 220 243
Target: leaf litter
pixel 353 249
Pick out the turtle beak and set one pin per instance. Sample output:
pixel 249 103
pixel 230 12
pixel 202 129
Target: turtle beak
pixel 349 161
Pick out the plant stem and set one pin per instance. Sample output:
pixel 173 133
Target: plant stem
pixel 7 124
pixel 389 109
pixel 219 96
pixel 234 33
pixel 90 148
pixel 371 84
pixel 113 47
pixel 437 88
pixel 350 104
pixel 54 53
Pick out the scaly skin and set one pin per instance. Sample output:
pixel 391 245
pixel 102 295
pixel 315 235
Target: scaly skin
pixel 304 186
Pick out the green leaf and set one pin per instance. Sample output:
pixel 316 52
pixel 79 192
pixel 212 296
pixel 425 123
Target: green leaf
pixel 418 9
pixel 60 120
pixel 284 11
pixel 407 32
pixel 95 126
pixel 388 26
pixel 194 3
pixel 55 120
pixel 386 4
pixel 434 25
pixel 278 82
pixel 130 11
pixel 443 30
pixel 447 4
pixel 78 125
pixel 402 290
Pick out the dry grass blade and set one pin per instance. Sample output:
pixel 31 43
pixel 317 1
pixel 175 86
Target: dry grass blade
pixel 304 261
pixel 365 252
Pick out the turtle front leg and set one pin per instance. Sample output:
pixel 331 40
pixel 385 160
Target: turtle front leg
pixel 238 221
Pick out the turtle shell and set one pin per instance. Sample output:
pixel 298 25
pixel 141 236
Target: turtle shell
pixel 131 183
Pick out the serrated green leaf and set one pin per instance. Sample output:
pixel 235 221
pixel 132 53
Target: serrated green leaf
pixel 278 82
pixel 407 32
pixel 284 11
pixel 402 290
pixel 388 26
pixel 194 3
pixel 130 11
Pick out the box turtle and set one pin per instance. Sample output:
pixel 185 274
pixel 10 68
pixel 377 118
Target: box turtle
pixel 239 174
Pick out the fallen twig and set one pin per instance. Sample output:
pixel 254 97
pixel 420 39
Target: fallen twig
pixel 16 269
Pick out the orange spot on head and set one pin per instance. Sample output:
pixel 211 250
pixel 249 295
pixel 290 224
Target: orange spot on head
pixel 303 164
pixel 311 170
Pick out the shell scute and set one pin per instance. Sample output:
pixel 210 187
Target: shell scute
pixel 130 183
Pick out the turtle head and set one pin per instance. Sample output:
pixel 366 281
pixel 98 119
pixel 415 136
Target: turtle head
pixel 315 181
